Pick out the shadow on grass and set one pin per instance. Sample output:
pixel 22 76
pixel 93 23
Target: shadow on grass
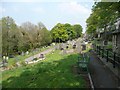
pixel 52 74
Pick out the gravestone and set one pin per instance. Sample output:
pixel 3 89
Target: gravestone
pixel 64 52
pixel 74 46
pixel 61 46
pixel 41 56
pixel 7 58
pixel 56 46
pixel 22 53
pixel 27 53
pixel 83 47
pixel 3 57
pixel 78 47
pixel 67 46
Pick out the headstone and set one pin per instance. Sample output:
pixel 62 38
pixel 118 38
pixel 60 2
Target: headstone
pixel 78 47
pixel 22 54
pixel 64 52
pixel 74 46
pixel 57 46
pixel 4 57
pixel 60 46
pixel 83 47
pixel 41 56
pixel 27 52
pixel 7 57
pixel 53 44
pixel 67 46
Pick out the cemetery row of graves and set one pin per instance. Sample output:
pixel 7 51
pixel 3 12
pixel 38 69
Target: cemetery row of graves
pixel 57 69
pixel 37 54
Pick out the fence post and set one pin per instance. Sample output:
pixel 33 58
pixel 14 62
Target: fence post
pixel 99 50
pixel 103 52
pixel 114 60
pixel 96 49
pixel 107 54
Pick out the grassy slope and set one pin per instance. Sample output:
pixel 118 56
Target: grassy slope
pixel 54 72
pixel 12 61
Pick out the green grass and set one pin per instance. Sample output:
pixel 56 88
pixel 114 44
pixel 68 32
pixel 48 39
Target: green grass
pixel 54 72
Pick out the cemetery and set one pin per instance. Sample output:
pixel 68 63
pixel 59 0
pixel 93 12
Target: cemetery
pixel 66 55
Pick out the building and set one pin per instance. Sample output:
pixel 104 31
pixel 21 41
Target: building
pixel 116 37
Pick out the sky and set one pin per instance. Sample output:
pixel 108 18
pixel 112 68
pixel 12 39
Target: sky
pixel 48 12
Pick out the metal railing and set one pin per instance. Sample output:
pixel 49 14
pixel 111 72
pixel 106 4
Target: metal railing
pixel 108 54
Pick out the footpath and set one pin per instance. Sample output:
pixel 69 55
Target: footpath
pixel 101 75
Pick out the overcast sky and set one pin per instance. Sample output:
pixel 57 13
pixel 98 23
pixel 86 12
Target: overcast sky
pixel 48 12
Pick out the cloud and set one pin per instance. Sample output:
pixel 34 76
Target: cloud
pixel 73 8
pixel 77 12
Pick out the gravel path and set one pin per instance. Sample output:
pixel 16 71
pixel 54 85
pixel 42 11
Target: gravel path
pixel 102 77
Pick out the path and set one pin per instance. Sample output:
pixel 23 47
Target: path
pixel 102 77
pixel 38 55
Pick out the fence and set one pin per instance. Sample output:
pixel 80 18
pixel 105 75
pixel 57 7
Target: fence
pixel 108 54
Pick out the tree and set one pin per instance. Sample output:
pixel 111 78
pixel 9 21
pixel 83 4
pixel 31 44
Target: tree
pixel 59 34
pixel 103 13
pixel 9 38
pixel 70 31
pixel 46 37
pixel 78 30
pixel 64 32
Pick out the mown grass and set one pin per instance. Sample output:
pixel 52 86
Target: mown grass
pixel 54 72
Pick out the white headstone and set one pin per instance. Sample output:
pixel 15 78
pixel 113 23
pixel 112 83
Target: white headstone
pixel 3 57
pixel 22 53
pixel 7 58
pixel 27 52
